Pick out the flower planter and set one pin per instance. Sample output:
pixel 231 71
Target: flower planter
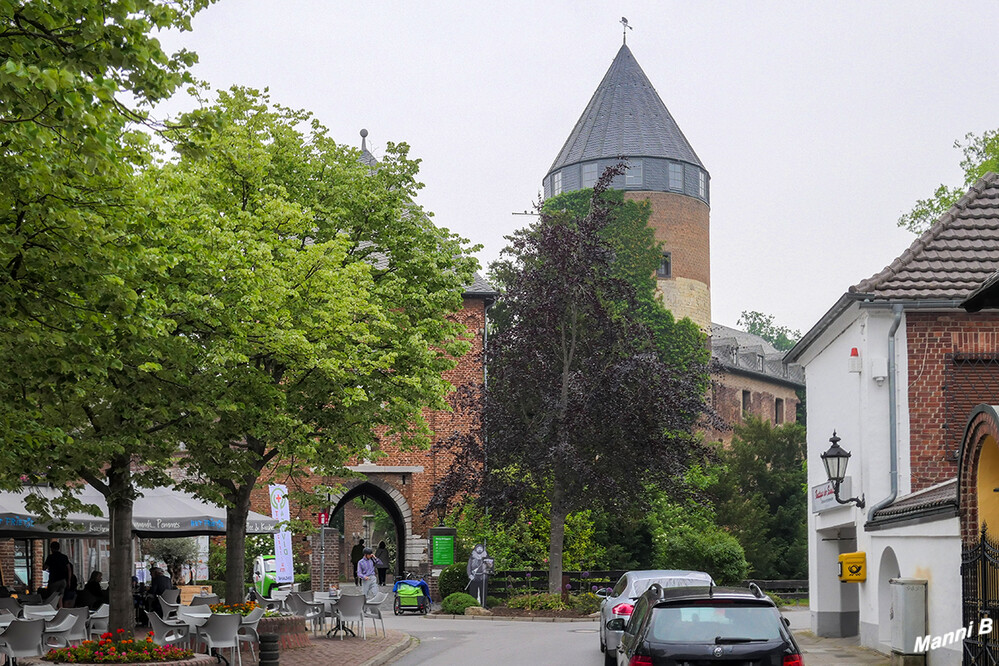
pixel 196 660
pixel 291 630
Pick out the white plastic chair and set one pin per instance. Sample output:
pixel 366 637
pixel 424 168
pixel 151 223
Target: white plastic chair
pixel 350 609
pixel 248 628
pixel 99 620
pixel 222 631
pixel 205 600
pixel 312 612
pixel 38 611
pixel 373 610
pixel 172 596
pixel 168 608
pixel 167 633
pixel 69 625
pixel 23 638
pixel 11 605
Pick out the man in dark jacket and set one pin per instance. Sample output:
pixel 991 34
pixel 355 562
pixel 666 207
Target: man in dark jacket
pixel 57 564
pixel 160 584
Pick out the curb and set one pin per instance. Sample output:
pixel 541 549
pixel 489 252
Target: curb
pixel 391 653
pixel 507 618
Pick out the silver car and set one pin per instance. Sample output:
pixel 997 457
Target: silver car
pixel 619 600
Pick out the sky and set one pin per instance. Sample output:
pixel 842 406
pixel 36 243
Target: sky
pixel 820 123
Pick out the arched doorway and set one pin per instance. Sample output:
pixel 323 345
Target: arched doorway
pixel 887 569
pixel 394 504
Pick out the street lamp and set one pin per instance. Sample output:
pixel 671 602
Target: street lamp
pixel 835 461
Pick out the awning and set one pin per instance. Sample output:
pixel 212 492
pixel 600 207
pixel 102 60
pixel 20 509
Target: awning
pixel 159 512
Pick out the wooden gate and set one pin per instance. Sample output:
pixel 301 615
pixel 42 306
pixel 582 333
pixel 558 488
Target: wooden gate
pixel 980 594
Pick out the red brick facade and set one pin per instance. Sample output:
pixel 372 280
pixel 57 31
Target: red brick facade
pixel 944 386
pixel 727 399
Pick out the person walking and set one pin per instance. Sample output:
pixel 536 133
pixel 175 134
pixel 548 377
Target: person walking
pixel 57 564
pixel 382 555
pixel 366 573
pixel 356 555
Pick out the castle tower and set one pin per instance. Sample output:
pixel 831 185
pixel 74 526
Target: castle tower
pixel 626 118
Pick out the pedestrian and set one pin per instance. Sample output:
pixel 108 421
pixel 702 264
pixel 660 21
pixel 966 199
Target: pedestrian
pixel 57 564
pixel 72 588
pixel 382 555
pixel 366 573
pixel 160 584
pixel 356 555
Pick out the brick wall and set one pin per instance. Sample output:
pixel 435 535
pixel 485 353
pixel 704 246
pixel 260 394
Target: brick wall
pixel 726 398
pixel 935 343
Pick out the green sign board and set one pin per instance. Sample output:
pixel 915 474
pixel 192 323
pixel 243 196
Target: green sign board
pixel 443 549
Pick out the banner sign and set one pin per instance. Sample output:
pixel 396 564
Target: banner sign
pixel 824 495
pixel 282 540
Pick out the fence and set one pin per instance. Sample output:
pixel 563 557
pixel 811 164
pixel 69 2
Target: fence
pixel 505 584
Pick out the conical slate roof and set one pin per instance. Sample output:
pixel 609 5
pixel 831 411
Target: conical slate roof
pixel 625 118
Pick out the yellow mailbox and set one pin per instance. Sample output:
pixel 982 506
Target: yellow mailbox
pixel 853 567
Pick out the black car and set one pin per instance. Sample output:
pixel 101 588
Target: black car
pixel 698 626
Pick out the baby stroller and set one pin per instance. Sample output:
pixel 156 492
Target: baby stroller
pixel 412 596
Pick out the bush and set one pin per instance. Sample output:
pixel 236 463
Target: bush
pixel 537 602
pixel 492 601
pixel 455 604
pixel 585 603
pixel 452 579
pixel 715 551
pixel 304 582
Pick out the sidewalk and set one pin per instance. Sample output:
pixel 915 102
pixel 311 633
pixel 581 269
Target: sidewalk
pixel 819 651
pixel 322 650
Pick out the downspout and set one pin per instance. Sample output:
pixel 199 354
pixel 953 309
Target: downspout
pixel 892 415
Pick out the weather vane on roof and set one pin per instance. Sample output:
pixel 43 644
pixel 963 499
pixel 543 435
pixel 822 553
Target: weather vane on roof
pixel 625 29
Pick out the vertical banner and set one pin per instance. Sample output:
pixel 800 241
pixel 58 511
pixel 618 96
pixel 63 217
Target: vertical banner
pixel 282 540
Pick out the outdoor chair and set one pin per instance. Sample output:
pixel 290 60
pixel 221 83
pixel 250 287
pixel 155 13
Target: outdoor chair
pixel 168 609
pixel 53 599
pixel 23 638
pixel 264 602
pixel 69 624
pixel 57 630
pixel 205 600
pixel 167 633
pixel 222 631
pixel 172 596
pixel 311 611
pixel 37 611
pixel 11 605
pixel 373 610
pixel 98 623
pixel 248 628
pixel 33 598
pixel 350 609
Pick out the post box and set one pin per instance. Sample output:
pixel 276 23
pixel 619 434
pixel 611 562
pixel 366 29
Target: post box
pixel 853 567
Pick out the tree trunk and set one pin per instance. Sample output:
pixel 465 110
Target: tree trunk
pixel 555 545
pixel 120 499
pixel 235 544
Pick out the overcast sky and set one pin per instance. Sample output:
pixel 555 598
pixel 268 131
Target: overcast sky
pixel 820 123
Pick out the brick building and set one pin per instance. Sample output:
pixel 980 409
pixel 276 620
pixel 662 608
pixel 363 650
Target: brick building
pixel 898 369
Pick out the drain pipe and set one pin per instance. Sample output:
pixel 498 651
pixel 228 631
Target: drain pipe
pixel 892 414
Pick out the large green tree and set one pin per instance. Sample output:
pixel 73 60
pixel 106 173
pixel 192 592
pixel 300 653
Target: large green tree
pixel 763 325
pixel 319 295
pixel 76 326
pixel 582 405
pixel 980 156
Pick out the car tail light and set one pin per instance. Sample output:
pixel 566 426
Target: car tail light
pixel 793 660
pixel 623 609
pixel 640 660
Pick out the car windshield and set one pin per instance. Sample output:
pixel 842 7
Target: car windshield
pixel 270 566
pixel 710 622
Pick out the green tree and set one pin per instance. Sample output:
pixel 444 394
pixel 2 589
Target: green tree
pixel 757 323
pixel 174 552
pixel 318 293
pixel 760 497
pixel 980 156
pixel 570 416
pixel 75 325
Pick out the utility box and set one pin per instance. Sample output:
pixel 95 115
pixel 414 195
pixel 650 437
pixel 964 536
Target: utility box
pixel 908 620
pixel 853 567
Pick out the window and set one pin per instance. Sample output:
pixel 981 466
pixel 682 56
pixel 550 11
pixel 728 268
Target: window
pixel 23 561
pixel 590 174
pixel 746 401
pixel 779 410
pixel 676 176
pixel 633 177
pixel 665 269
pixel 702 185
pixel 557 184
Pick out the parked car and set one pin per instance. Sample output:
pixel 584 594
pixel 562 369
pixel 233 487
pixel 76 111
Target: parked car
pixel 701 625
pixel 265 575
pixel 619 601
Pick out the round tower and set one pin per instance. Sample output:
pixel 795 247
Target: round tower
pixel 627 119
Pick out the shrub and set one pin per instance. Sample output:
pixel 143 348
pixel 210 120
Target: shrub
pixel 452 579
pixel 585 603
pixel 455 604
pixel 537 602
pixel 715 551
pixel 304 582
pixel 493 601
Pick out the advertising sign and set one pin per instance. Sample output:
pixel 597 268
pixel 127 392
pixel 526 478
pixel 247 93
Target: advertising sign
pixel 824 496
pixel 282 540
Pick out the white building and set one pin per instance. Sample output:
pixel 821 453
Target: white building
pixel 896 368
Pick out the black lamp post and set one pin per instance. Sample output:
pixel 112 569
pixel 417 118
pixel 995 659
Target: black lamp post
pixel 835 461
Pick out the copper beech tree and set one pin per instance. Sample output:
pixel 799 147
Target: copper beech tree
pixel 583 404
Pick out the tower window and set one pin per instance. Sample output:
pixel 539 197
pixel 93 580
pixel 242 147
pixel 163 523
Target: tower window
pixel 590 174
pixel 702 185
pixel 746 401
pixel 557 184
pixel 676 176
pixel 633 177
pixel 779 410
pixel 665 269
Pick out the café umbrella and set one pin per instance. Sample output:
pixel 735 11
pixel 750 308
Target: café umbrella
pixel 158 512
